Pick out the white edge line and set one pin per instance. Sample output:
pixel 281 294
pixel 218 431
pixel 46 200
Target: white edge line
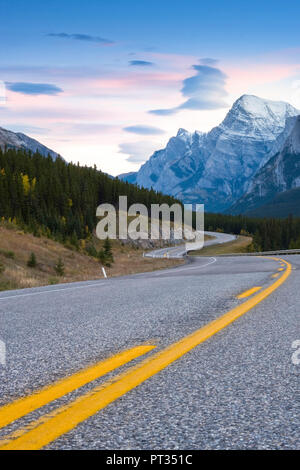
pixel 187 268
pixel 51 290
pixel 100 284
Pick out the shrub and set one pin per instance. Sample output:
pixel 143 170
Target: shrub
pixel 91 251
pixel 8 254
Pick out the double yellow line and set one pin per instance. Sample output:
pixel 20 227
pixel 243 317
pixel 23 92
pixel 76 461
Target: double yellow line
pixel 52 425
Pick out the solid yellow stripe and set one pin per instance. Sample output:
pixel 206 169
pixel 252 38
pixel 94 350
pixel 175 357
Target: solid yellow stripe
pixel 249 292
pixel 68 417
pixel 23 406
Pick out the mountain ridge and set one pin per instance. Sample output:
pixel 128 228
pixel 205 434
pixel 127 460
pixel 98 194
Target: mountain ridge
pixel 216 168
pixel 280 174
pixel 18 140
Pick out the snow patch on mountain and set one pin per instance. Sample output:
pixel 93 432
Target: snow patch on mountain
pixel 281 173
pixel 216 168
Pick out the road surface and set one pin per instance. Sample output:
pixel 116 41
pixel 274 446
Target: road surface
pixel 232 385
pixel 180 251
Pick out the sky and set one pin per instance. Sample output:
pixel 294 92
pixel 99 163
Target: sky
pixel 108 83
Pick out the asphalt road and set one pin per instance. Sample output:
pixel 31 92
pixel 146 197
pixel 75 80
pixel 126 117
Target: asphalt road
pixel 180 250
pixel 236 390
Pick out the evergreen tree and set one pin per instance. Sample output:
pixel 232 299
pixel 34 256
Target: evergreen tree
pixel 59 267
pixel 107 250
pixel 106 255
pixel 101 256
pixel 31 263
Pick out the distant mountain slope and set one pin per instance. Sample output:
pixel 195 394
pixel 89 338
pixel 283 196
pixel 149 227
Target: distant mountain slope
pixel 281 173
pixel 216 168
pixel 129 177
pixel 282 205
pixel 18 140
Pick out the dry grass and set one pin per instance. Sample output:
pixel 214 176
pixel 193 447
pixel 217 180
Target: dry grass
pixel 16 247
pixel 237 246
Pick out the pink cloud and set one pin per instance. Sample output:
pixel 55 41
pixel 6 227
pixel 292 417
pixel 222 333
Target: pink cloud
pixel 138 81
pixel 256 74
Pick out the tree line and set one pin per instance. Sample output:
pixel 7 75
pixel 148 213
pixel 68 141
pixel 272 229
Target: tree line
pixel 268 233
pixel 59 200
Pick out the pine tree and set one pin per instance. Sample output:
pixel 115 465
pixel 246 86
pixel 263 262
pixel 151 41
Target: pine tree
pixel 31 263
pixel 107 252
pixel 2 268
pixel 101 256
pixel 59 267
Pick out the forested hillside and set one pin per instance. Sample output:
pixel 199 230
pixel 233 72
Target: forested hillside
pixel 58 199
pixel 268 233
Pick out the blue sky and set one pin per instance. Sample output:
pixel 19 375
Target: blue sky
pixel 97 79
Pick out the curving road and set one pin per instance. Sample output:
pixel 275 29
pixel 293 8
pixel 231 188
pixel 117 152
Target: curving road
pixel 180 251
pixel 234 388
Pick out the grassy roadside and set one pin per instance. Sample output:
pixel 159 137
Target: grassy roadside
pixel 17 246
pixel 236 246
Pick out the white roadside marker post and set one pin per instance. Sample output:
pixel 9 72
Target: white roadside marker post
pixel 104 272
pixel 2 353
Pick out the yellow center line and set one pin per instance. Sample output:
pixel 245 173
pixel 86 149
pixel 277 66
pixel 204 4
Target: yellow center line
pixel 66 418
pixel 248 292
pixel 23 406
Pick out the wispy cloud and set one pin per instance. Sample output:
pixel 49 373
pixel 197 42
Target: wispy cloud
pixel 140 63
pixel 82 37
pixel 205 90
pixel 89 128
pixel 144 130
pixel 26 129
pixel 138 152
pixel 28 88
pixel 208 61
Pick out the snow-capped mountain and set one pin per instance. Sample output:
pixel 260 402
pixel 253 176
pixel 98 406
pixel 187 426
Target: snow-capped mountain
pixel 11 139
pixel 281 173
pixel 216 168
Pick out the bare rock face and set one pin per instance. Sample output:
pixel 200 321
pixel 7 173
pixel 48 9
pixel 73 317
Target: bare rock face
pixel 217 168
pixel 281 173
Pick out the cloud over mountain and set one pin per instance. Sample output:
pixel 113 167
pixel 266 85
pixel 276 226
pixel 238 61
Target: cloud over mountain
pixel 205 90
pixel 144 130
pixel 138 151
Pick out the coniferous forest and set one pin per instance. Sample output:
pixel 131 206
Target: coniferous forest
pixel 59 200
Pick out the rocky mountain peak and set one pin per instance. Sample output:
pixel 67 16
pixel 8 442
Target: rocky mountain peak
pixel 292 144
pixel 216 168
